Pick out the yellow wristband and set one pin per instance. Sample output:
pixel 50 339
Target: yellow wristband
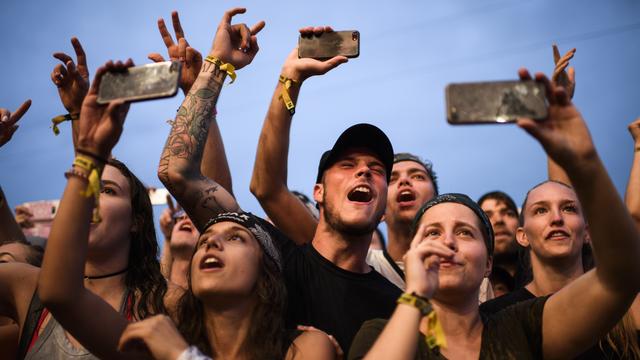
pixel 286 98
pixel 93 187
pixel 60 119
pixel 228 68
pixel 435 335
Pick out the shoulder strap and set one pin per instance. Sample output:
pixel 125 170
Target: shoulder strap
pixel 30 325
pixel 393 264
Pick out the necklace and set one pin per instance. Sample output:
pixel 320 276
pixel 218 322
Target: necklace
pixel 107 275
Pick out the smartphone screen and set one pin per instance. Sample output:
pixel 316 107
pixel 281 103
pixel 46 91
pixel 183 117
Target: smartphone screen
pixel 152 81
pixel 495 102
pixel 330 44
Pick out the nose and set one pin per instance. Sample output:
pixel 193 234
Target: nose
pixel 364 171
pixel 556 217
pixel 215 242
pixel 497 219
pixel 450 241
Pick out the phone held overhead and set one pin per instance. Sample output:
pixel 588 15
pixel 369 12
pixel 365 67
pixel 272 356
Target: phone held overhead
pixel 495 102
pixel 147 82
pixel 329 44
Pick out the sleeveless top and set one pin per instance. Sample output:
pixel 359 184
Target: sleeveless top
pixel 52 343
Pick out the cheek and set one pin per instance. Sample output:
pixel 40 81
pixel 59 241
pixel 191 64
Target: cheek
pixel 115 208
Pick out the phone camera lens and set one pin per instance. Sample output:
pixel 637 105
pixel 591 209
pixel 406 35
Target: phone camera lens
pixel 354 36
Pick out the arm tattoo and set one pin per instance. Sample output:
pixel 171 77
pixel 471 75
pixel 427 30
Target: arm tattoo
pixel 183 150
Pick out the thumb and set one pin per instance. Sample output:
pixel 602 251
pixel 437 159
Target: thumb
pixel 531 127
pixel 335 62
pixel 155 57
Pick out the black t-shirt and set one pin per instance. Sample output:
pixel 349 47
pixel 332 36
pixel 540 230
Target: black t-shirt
pixel 514 333
pixel 329 298
pixel 494 305
pixel 601 350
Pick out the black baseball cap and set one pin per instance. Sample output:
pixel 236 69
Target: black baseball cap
pixel 359 136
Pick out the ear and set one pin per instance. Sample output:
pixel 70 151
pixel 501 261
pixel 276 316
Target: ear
pixel 587 234
pixel 487 272
pixel 521 237
pixel 318 193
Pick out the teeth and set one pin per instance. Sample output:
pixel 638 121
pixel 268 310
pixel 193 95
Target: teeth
pixel 406 192
pixel 362 189
pixel 211 261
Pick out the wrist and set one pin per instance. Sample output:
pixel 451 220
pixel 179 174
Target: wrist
pixel 412 299
pixel 292 74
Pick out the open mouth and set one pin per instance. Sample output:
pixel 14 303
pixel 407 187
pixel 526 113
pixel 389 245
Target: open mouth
pixel 186 226
pixel 361 194
pixel 557 234
pixel 211 262
pixel 406 196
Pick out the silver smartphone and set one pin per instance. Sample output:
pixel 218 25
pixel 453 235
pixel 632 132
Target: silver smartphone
pixel 330 44
pixel 147 82
pixel 495 102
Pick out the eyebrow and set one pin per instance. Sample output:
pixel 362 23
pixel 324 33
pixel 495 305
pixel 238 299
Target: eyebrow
pixel 7 253
pixel 547 202
pixel 235 227
pixel 111 182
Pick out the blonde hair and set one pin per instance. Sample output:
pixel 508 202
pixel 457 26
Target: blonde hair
pixel 623 338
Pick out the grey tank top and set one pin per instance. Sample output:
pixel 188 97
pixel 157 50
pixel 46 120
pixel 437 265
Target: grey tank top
pixel 53 344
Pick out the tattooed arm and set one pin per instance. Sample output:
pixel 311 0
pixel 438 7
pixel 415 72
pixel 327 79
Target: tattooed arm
pixel 180 164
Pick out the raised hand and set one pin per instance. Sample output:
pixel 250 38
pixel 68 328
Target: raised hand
pixel 157 334
pixel 422 264
pixel 8 121
pixel 560 76
pixel 168 218
pixel 236 44
pixel 72 80
pixel 180 50
pixel 564 134
pixel 101 125
pixel 301 69
pixel 24 217
pixel 634 129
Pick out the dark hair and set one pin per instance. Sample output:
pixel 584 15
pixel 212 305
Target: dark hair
pixel 428 166
pixel 266 338
pixel 34 252
pixel 526 198
pixel 502 197
pixel 143 278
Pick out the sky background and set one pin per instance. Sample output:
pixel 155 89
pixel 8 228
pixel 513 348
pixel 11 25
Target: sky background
pixel 410 50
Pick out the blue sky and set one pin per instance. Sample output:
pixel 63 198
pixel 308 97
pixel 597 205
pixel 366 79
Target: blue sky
pixel 410 50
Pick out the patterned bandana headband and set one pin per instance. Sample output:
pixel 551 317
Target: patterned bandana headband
pixel 262 231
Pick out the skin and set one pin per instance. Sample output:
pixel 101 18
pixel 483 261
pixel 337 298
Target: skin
pixel 596 300
pixel 8 121
pixel 14 252
pixel 505 224
pixel 405 176
pixel 269 180
pixel 345 227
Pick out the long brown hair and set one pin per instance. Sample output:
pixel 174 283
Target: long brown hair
pixel 266 337
pixel 143 278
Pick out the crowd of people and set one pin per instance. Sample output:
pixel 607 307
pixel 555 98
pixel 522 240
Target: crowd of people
pixel 316 279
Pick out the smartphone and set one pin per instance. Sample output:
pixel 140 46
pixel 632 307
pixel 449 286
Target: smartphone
pixel 43 210
pixel 330 44
pixel 158 196
pixel 152 81
pixel 495 102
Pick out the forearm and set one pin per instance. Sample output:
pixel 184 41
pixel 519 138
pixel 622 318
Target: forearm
pixel 214 159
pixel 556 172
pixel 615 239
pixel 60 282
pixel 399 339
pixel 270 166
pixel 632 196
pixel 180 164
pixel 10 229
pixel 182 155
pixel 166 260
